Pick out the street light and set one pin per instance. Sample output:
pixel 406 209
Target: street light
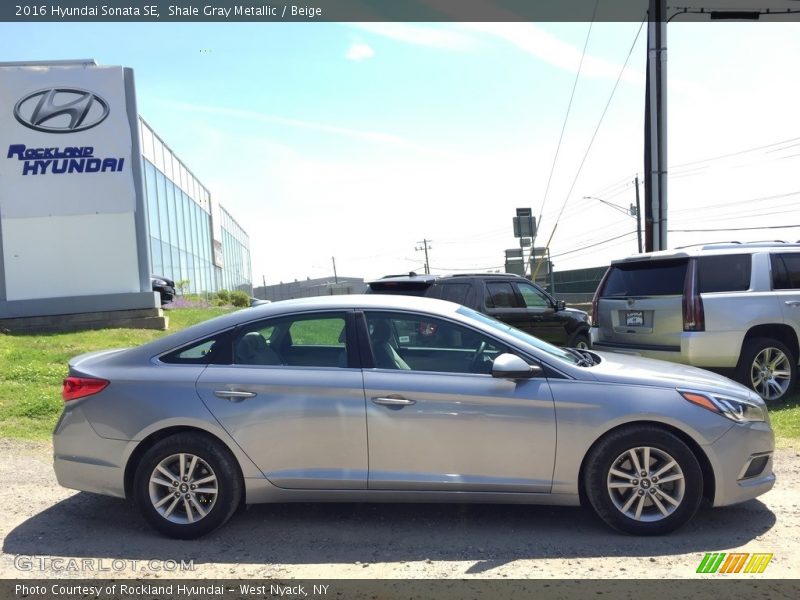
pixel 632 211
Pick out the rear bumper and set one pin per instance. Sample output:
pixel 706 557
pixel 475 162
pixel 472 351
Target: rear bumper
pixel 83 460
pixel 715 349
pixel 730 457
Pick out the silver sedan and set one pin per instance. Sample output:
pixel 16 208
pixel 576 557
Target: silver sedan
pixel 401 399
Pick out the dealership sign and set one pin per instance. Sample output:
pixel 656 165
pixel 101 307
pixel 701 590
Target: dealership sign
pixel 62 110
pixel 66 166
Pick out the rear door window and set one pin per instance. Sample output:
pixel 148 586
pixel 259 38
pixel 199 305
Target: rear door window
pixel 785 271
pixel 725 273
pixel 646 278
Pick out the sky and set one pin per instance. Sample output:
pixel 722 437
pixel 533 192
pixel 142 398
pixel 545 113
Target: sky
pixel 358 141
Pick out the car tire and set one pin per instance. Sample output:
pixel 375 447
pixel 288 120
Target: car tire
pixel 645 505
pixel 761 358
pixel 581 341
pixel 175 508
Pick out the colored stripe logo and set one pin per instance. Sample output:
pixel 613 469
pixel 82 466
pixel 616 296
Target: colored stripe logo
pixel 736 562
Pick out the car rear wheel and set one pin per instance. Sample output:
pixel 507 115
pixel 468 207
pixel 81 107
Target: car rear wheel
pixel 643 480
pixel 187 485
pixel 768 367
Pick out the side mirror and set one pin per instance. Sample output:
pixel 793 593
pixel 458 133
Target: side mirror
pixel 510 366
pixel 560 305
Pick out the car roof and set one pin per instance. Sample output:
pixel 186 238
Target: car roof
pixel 718 249
pixel 413 277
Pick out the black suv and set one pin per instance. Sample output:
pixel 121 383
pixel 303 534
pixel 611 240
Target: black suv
pixel 508 298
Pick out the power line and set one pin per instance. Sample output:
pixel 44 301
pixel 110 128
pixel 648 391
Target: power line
pixel 593 245
pixel 569 108
pixel 591 141
pixel 734 229
pixel 730 154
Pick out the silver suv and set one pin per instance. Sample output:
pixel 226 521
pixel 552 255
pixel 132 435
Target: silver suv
pixel 720 306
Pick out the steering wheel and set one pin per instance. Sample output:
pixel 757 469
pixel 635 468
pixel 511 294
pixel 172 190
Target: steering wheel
pixel 474 361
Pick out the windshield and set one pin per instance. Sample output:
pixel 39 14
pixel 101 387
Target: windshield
pixel 520 335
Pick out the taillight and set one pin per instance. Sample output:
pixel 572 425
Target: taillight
pixel 694 316
pixel 80 387
pixel 596 298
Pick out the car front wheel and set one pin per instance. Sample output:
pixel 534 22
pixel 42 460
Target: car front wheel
pixel 643 480
pixel 187 485
pixel 582 342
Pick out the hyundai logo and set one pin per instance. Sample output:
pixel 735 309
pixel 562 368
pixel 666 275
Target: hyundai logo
pixel 61 110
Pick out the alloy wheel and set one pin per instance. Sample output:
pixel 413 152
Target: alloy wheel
pixel 183 488
pixel 770 373
pixel 646 484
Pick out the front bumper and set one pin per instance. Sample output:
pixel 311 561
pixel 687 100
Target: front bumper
pixel 730 457
pixel 85 461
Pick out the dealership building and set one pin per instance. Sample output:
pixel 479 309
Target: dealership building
pixel 93 202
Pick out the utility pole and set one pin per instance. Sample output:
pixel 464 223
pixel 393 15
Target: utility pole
pixel 655 134
pixel 335 276
pixel 264 283
pixel 638 214
pixel 424 246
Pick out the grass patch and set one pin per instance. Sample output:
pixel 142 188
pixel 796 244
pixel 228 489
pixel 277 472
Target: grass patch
pixel 786 421
pixel 33 366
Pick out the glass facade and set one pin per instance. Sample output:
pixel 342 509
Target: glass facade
pixel 236 255
pixel 180 222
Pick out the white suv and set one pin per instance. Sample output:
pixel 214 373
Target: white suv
pixel 724 306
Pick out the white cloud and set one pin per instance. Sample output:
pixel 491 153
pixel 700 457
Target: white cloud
pixel 359 51
pixel 418 36
pixel 536 41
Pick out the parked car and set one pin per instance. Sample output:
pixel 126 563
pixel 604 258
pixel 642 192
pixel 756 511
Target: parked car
pixel 164 286
pixel 508 298
pixel 724 306
pixel 273 404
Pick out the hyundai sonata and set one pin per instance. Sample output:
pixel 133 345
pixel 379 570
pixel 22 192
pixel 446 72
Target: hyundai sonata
pixel 401 399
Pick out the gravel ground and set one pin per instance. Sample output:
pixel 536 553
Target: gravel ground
pixel 43 526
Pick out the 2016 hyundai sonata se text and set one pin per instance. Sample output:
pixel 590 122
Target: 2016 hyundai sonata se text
pixel 396 398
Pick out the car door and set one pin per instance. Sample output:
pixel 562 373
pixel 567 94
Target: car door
pixel 525 307
pixel 293 399
pixel 543 320
pixel 437 423
pixel 786 284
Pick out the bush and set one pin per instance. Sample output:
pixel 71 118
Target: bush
pixel 240 299
pixel 224 296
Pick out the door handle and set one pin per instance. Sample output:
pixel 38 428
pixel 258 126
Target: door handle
pixel 233 396
pixel 792 303
pixel 393 401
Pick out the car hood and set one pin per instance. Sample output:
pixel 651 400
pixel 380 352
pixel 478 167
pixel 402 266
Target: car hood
pixel 627 369
pixel 576 313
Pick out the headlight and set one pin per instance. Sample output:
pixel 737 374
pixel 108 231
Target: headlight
pixel 739 410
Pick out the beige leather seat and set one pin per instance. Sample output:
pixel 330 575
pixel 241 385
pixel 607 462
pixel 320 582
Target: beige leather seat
pixel 386 357
pixel 252 349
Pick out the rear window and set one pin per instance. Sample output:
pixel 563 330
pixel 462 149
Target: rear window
pixel 404 288
pixel 650 278
pixel 456 292
pixel 728 273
